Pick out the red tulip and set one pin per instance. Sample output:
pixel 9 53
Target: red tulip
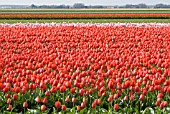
pixel 44 100
pixel 63 107
pixel 9 107
pixel 25 104
pixel 162 105
pixel 116 106
pixel 62 89
pixel 17 89
pixel 9 101
pixel 82 105
pixel 72 90
pixel 57 104
pixel 78 108
pixel 131 97
pixel 125 98
pixel 8 95
pixel 141 97
pixel 43 107
pixel 38 100
pixel 93 105
pixel 84 100
pixel 73 100
pixel 47 93
pixel 99 101
pixel 67 99
pixel 165 103
pixel 15 96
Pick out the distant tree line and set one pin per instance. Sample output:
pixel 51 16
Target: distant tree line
pixel 81 5
pixel 145 6
pixel 76 5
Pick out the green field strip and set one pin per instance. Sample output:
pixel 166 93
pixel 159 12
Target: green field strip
pixel 89 21
pixel 81 11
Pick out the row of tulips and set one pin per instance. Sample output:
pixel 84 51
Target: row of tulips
pixel 85 68
pixel 87 16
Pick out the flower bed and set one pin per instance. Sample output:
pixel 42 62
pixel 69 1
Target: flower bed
pixel 85 68
pixel 87 16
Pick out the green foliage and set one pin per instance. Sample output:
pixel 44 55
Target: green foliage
pixel 87 21
pixel 84 11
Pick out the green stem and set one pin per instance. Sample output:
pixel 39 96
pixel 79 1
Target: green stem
pixel 140 105
pixel 73 104
pixel 11 111
pixel 95 110
pixel 63 98
pixel 57 110
pixel 24 110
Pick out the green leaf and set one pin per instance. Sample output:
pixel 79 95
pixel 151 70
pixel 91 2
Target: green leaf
pixel 54 110
pixel 1 104
pixel 68 111
pixel 33 111
pixel 46 111
pixel 130 110
pixel 73 110
pixel 168 110
pixel 6 112
pixel 136 110
pixel 103 110
pixel 151 111
pixel 83 111
pixel 137 102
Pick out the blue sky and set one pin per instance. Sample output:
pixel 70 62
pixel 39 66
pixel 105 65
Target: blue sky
pixel 86 2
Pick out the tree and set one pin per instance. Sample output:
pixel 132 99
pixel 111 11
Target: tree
pixel 142 5
pixel 33 6
pixel 161 6
pixel 78 5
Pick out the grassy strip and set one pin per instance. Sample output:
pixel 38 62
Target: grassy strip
pixel 89 21
pixel 86 10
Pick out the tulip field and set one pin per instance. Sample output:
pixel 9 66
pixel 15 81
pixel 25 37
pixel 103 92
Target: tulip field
pixel 127 15
pixel 87 16
pixel 78 68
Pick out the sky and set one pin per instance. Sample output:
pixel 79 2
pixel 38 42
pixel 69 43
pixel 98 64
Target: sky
pixel 86 2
